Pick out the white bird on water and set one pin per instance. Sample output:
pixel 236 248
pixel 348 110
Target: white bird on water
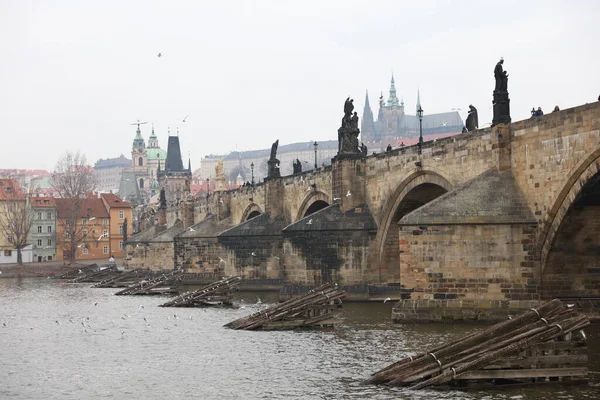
pixel 258 301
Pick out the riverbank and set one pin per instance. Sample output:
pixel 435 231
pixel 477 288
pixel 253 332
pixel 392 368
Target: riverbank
pixel 33 270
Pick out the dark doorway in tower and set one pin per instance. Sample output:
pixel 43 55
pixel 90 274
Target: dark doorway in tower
pixel 253 214
pixel 390 258
pixel 572 268
pixel 316 206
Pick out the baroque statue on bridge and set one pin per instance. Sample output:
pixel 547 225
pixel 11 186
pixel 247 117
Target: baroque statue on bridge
pixel 472 121
pixel 297 166
pixel 273 162
pixel 348 132
pixel 501 101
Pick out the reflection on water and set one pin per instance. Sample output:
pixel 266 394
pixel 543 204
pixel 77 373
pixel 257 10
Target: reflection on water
pixel 59 344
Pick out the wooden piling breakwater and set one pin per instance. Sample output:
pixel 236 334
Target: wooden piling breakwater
pixel 78 271
pixel 318 307
pixel 543 344
pixel 97 275
pixel 161 284
pixel 216 293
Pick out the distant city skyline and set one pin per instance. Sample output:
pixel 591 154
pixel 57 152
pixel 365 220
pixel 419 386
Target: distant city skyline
pixel 75 75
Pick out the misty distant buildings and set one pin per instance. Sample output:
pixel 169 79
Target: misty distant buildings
pixel 108 173
pixel 393 126
pixel 237 164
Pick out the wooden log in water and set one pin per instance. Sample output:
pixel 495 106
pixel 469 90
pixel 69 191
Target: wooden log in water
pixel 447 362
pixel 218 292
pixel 426 361
pixel 297 309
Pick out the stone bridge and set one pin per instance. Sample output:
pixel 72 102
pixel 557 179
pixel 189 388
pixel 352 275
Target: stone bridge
pixel 507 213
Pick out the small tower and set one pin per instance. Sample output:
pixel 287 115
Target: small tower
pixel 367 127
pixel 139 159
pixel 393 99
pixel 418 102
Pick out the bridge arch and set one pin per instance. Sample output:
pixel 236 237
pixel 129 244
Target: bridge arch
pixel 584 180
pixel 313 202
pixel 414 191
pixel 251 211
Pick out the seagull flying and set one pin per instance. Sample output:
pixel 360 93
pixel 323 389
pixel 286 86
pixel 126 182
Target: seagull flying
pixel 348 194
pixel 336 199
pixel 96 303
pixel 309 222
pixel 192 229
pixel 186 117
pixel 253 254
pixel 387 299
pixel 159 55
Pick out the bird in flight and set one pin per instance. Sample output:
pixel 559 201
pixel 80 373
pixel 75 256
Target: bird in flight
pixel 348 194
pixel 309 222
pixel 159 55
pixel 192 229
pixel 186 117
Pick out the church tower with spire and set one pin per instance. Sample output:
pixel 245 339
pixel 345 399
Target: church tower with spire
pixel 367 126
pixel 391 115
pixel 139 160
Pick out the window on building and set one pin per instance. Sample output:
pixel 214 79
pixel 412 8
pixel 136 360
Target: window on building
pixel 39 242
pixel 39 229
pixel 105 250
pixel 7 253
pixel 49 258
pixel 121 245
pixel 49 229
pixel 121 229
pixel 39 215
pixel 105 221
pixel 48 215
pixel 121 214
pixel 9 238
pixel 49 242
pixel 84 250
pixel 141 183
pixel 140 161
pixel 105 233
pixel 84 221
pixel 84 232
pixel 68 235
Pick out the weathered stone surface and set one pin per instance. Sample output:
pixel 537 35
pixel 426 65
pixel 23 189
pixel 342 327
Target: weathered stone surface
pixel 491 198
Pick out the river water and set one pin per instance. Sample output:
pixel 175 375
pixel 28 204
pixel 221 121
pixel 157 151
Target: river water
pixel 69 341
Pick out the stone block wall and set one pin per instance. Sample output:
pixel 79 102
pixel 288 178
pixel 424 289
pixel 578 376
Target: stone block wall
pixel 154 256
pixel 200 255
pixel 253 257
pixel 468 262
pixel 313 258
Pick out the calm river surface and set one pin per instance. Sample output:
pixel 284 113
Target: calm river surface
pixel 58 344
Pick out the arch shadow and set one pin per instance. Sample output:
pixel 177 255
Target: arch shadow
pixel 308 201
pixel 251 211
pixel 585 171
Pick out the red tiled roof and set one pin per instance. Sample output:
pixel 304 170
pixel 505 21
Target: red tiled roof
pixel 89 208
pixel 115 201
pixel 39 201
pixel 11 190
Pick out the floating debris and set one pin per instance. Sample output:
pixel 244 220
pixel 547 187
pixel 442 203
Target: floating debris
pixel 318 307
pixel 542 345
pixel 216 293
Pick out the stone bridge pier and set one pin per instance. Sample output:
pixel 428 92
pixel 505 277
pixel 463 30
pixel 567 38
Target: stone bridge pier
pixel 475 226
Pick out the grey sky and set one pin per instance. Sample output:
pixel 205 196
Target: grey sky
pixel 75 73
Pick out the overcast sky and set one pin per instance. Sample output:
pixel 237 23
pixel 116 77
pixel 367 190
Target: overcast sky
pixel 75 74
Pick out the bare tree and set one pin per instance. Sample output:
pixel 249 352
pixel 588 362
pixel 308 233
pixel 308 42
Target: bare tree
pixel 16 217
pixel 74 181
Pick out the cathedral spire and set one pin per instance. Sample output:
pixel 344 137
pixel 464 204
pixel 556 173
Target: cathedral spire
pixel 393 99
pixel 367 105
